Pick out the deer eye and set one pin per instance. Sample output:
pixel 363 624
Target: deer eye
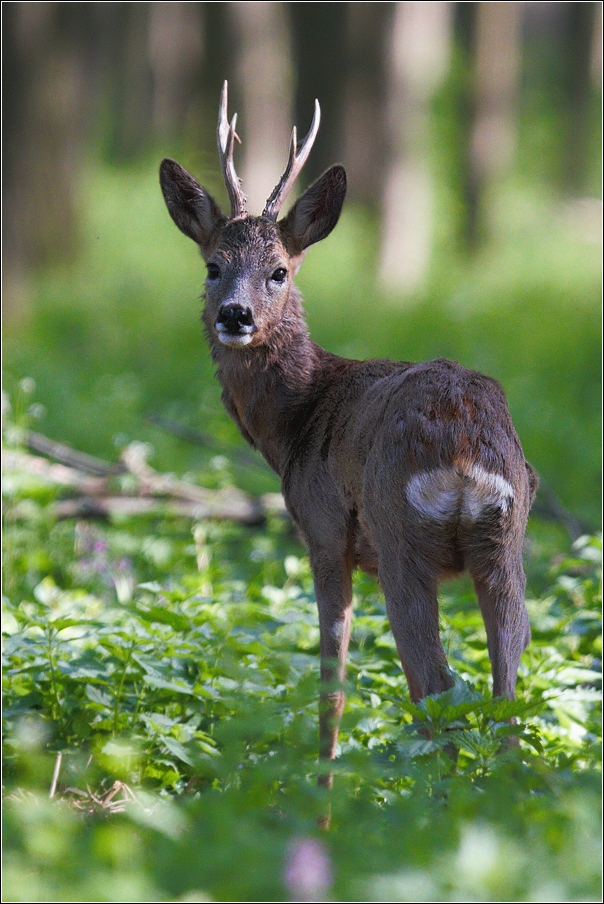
pixel 213 271
pixel 279 274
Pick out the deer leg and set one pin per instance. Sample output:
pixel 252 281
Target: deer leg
pixel 412 607
pixel 333 589
pixel 501 599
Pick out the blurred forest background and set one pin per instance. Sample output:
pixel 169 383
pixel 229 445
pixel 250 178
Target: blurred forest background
pixel 471 136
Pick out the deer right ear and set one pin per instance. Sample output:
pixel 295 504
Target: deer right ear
pixel 191 207
pixel 315 214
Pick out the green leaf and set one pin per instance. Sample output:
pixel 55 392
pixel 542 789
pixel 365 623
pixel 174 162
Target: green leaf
pixel 501 710
pixel 416 747
pixel 96 695
pixel 176 748
pixel 59 624
pixel 176 686
pixel 165 617
pixel 152 586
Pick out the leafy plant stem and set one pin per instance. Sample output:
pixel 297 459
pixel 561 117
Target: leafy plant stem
pixel 118 695
pixel 56 703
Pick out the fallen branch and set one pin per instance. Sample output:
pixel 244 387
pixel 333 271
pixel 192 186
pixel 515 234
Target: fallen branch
pixel 153 483
pixel 71 457
pixel 58 474
pixel 222 507
pixel 196 438
pixel 547 505
pixel 72 469
pixel 188 434
pixel 146 491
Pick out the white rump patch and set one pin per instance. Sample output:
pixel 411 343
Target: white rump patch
pixel 458 492
pixel 436 494
pixel 485 489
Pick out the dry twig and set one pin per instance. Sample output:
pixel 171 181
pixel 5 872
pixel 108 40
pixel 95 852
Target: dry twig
pixel 149 492
pixel 55 775
pixel 71 457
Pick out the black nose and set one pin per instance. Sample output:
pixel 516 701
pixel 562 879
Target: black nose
pixel 232 317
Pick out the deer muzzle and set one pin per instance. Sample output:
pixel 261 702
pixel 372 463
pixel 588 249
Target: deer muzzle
pixel 235 324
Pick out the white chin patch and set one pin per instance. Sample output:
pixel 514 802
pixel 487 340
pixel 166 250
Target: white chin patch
pixel 232 341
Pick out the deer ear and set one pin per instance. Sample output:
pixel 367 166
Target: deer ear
pixel 191 207
pixel 315 214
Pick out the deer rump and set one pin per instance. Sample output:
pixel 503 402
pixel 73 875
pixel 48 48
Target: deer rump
pixel 406 455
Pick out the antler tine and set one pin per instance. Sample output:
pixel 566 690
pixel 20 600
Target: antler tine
pixel 226 142
pixel 296 161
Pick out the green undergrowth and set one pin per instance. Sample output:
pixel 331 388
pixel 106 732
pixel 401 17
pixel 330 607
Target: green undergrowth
pixel 180 661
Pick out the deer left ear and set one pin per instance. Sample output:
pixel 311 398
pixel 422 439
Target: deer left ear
pixel 315 214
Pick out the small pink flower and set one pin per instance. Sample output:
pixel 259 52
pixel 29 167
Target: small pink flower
pixel 307 874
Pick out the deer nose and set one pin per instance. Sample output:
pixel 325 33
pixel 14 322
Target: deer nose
pixel 233 318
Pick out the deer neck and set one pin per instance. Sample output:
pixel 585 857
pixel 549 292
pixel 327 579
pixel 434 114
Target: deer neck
pixel 269 389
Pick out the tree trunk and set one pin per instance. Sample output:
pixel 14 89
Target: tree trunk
pixel 365 101
pixel 497 50
pixel 47 76
pixel 319 49
pixel 581 48
pixel 176 44
pixel 418 57
pixel 129 77
pixel 264 84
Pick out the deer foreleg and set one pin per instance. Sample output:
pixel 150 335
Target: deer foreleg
pixel 333 588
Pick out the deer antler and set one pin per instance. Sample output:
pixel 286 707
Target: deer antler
pixel 297 159
pixel 226 143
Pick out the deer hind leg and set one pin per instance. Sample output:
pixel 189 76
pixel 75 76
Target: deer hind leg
pixel 333 589
pixel 501 600
pixel 499 580
pixel 412 607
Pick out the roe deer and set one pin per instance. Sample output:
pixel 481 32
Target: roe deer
pixel 410 472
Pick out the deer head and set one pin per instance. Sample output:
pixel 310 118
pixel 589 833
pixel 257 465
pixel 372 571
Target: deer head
pixel 251 260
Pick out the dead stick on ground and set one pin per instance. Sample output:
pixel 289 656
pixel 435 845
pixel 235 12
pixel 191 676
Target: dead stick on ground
pixel 196 438
pixel 59 474
pixel 55 775
pixel 152 493
pixel 68 456
pixel 245 510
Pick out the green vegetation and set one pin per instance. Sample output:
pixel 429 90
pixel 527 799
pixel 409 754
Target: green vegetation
pixel 183 662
